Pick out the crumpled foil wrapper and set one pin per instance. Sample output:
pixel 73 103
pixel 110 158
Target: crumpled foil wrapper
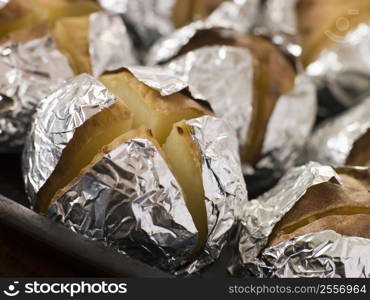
pixel 130 200
pixel 223 183
pixel 289 126
pixel 333 141
pixel 56 120
pixel 324 254
pixel 110 45
pixel 224 76
pixel 147 20
pixel 238 15
pixel 260 216
pixel 29 72
pixel 345 68
pixel 278 21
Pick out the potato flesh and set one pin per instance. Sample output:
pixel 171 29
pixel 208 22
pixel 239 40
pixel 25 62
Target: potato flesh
pixel 149 107
pixel 96 132
pixel 185 162
pixel 71 37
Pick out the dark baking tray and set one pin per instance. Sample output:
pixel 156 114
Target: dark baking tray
pixel 33 246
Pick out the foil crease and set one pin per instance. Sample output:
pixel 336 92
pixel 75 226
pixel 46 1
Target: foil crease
pixel 236 15
pixel 29 71
pixel 333 141
pixel 223 75
pixel 110 46
pixel 223 183
pixel 56 120
pixel 129 200
pixel 345 68
pixel 260 216
pixel 324 254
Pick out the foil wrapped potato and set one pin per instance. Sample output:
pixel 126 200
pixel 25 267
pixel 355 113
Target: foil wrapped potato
pixel 123 152
pixel 342 207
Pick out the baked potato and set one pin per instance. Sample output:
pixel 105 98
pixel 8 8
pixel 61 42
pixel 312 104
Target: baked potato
pixel 26 14
pixel 323 23
pixel 344 208
pixel 273 76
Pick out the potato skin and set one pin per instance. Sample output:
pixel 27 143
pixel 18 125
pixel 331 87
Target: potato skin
pixel 323 23
pixel 323 205
pixel 273 76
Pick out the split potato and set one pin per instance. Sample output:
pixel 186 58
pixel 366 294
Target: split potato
pixel 273 76
pixel 27 14
pixel 323 23
pixel 344 208
pixel 149 108
pixel 140 112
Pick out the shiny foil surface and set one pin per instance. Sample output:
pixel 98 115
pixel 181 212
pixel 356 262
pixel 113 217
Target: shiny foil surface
pixel 55 123
pixel 224 76
pixel 223 183
pixel 324 254
pixel 110 45
pixel 290 125
pixel 345 68
pixel 236 15
pixel 29 72
pixel 147 20
pixel 129 200
pixel 279 22
pixel 259 216
pixel 333 141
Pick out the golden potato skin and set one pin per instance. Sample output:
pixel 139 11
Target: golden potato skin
pixel 325 200
pixel 323 23
pixel 348 225
pixel 26 14
pixel 273 74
